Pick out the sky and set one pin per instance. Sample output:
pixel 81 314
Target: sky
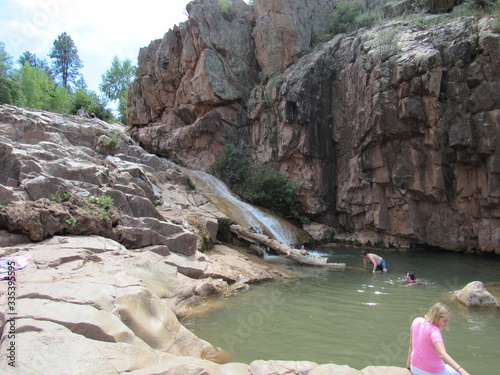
pixel 100 29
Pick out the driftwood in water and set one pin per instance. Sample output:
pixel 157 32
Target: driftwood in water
pixel 299 256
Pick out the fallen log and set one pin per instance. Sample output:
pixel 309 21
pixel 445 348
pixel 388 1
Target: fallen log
pixel 299 256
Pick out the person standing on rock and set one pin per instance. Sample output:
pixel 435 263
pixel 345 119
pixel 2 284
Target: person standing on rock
pixel 427 354
pixel 379 263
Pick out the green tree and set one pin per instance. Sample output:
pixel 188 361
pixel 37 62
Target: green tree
pixel 66 62
pixel 39 91
pixel 35 62
pixel 116 81
pixel 81 83
pixel 27 57
pixel 5 61
pixel 9 88
pixel 224 6
pixel 37 88
pixel 61 100
pixel 82 98
pixel 92 103
pixel 9 91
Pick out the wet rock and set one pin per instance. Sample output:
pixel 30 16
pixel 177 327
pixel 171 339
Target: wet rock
pixel 319 232
pixel 475 294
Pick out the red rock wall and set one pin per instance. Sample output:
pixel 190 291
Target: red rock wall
pixel 393 131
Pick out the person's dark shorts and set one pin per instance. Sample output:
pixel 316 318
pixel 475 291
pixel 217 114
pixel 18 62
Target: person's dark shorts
pixel 382 266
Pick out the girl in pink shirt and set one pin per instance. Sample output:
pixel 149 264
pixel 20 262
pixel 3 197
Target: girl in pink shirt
pixel 427 354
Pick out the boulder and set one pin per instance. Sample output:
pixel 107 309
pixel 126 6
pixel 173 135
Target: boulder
pixel 385 370
pixel 319 232
pixel 11 239
pixel 193 366
pixel 310 368
pixel 43 218
pixel 261 367
pixel 51 347
pixel 332 369
pixel 475 294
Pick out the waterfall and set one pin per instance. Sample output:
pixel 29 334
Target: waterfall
pixel 242 212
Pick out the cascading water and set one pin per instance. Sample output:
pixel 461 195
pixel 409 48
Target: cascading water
pixel 246 214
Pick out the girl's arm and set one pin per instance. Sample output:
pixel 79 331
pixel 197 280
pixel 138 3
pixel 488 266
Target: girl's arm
pixel 439 345
pixel 410 348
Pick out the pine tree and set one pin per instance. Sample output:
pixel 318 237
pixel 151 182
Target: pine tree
pixel 66 60
pixel 5 61
pixel 35 62
pixel 28 57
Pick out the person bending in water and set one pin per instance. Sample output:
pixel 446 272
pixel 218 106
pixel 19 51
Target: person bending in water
pixel 411 280
pixel 379 263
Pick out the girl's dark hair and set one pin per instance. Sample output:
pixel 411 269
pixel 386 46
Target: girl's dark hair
pixel 363 252
pixel 412 275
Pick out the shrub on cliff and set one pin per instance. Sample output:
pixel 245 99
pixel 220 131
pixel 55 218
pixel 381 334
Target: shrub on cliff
pixel 231 167
pixel 349 16
pixel 258 184
pixel 343 17
pixel 271 189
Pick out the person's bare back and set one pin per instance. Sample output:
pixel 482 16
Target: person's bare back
pixel 379 263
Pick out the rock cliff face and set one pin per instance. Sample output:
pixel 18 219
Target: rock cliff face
pixel 393 131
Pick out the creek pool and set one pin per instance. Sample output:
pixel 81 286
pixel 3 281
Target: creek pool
pixel 355 317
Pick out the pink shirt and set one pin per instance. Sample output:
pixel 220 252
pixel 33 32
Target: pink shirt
pixel 424 355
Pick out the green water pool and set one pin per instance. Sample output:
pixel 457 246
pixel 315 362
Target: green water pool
pixel 355 317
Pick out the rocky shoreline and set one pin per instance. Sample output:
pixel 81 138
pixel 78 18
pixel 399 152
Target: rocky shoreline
pixel 88 305
pixel 107 284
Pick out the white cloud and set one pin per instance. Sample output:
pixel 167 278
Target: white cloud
pixel 100 29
